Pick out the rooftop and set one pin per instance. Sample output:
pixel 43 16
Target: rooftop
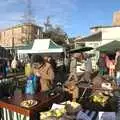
pixel 104 26
pixel 20 25
pixel 93 37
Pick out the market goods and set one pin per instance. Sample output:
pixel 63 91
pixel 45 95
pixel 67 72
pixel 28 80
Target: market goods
pixel 73 104
pixel 56 113
pixel 70 109
pixel 68 117
pixel 51 118
pixel 72 88
pixel 28 103
pixel 107 85
pixel 99 98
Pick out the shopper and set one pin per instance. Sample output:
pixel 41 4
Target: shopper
pixel 44 71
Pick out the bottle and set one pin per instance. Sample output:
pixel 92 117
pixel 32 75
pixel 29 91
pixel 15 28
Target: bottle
pixel 29 86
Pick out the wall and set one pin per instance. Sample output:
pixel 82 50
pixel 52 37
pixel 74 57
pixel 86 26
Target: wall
pixel 111 33
pixel 116 18
pixel 92 44
pixel 108 33
pixel 19 34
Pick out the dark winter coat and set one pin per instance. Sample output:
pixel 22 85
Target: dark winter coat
pixel 117 66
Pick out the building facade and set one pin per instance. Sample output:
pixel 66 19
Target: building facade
pixel 19 34
pixel 116 18
pixel 100 35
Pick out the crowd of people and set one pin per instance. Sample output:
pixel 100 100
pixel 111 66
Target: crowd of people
pixel 10 66
pixel 106 65
pixel 44 69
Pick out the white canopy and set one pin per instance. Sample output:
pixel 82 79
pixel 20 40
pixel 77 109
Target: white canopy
pixel 42 46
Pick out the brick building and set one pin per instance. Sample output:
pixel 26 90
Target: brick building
pixel 19 34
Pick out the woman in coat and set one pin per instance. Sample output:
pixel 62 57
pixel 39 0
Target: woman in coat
pixel 44 71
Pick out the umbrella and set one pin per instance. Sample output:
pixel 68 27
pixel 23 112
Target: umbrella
pixel 111 47
pixel 82 49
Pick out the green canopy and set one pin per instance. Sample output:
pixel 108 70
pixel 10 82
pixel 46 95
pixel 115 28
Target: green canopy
pixel 52 44
pixel 81 49
pixel 111 47
pixel 41 46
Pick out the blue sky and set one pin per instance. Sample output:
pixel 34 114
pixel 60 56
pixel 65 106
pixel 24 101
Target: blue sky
pixel 74 16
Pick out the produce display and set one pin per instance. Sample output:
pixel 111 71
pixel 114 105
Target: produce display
pixel 99 98
pixel 28 103
pixel 52 113
pixel 68 110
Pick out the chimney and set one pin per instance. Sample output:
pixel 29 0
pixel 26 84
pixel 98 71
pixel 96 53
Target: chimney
pixel 116 18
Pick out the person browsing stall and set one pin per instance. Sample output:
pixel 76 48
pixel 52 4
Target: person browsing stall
pixel 44 71
pixel 14 64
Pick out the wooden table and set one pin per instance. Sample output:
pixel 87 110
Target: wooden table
pixel 44 102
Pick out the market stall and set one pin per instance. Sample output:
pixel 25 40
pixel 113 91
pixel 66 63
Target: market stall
pixel 80 49
pixel 42 46
pixel 26 106
pixel 18 108
pixel 110 48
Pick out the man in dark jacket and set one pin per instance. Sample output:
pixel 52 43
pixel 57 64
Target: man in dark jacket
pixel 117 70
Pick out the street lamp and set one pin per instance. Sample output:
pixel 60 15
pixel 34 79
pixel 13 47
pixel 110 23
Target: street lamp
pixel 13 43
